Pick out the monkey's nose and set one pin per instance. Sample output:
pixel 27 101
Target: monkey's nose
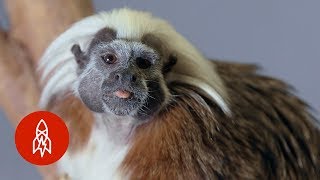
pixel 125 77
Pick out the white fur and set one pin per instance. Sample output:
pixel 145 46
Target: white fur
pixel 102 156
pixel 192 67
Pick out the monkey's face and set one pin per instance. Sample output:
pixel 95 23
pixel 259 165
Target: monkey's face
pixel 130 73
pixel 121 77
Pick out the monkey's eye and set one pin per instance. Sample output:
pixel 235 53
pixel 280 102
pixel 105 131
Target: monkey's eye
pixel 143 63
pixel 109 58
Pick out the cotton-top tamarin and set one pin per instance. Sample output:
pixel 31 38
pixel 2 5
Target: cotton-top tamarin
pixel 141 102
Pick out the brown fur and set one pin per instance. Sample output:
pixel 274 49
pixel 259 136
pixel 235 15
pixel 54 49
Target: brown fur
pixel 270 134
pixel 78 117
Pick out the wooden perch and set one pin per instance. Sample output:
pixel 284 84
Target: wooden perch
pixel 19 90
pixel 36 24
pixel 33 25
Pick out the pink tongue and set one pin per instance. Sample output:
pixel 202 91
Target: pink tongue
pixel 122 94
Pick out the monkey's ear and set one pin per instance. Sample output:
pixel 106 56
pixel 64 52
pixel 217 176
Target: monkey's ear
pixel 79 55
pixel 172 60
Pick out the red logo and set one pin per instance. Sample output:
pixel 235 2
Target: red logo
pixel 42 138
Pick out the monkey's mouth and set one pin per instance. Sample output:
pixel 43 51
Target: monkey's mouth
pixel 123 102
pixel 123 94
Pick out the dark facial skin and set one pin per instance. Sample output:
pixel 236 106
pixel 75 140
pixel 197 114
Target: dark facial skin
pixel 123 77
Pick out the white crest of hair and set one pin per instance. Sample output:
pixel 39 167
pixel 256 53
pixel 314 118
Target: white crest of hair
pixel 192 68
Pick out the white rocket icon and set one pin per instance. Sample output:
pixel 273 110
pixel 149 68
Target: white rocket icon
pixel 41 142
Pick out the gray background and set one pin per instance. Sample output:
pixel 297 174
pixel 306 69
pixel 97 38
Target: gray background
pixel 282 36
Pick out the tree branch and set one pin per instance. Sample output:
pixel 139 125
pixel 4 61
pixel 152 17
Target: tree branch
pixel 35 24
pixel 19 90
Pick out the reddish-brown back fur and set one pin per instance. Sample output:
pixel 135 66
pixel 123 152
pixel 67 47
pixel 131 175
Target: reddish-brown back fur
pixel 270 134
